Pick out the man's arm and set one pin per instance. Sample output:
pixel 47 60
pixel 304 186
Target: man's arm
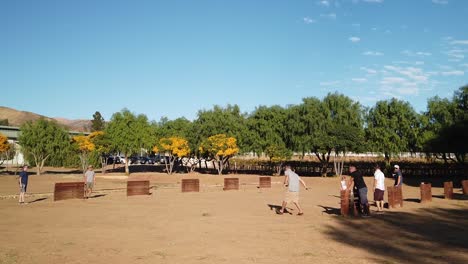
pixel 303 183
pixel 286 180
pixel 399 180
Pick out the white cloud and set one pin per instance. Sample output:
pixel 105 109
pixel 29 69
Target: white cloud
pixel 459 42
pixel 359 80
pixel 331 83
pixel 354 39
pixel 440 2
pixel 372 53
pixel 417 53
pixel 416 74
pixel 324 3
pixel 373 1
pixel 393 80
pixel 330 16
pixel 453 73
pixel 308 20
pixel 456 55
pixel 464 65
pixel 395 86
pixel 368 70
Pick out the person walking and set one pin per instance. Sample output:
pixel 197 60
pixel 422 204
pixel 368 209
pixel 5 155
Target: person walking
pixel 357 182
pixel 23 183
pixel 379 188
pixel 292 181
pixel 89 179
pixel 398 176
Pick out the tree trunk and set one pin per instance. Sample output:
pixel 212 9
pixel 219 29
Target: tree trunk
pixel 387 159
pixel 220 166
pixel 127 169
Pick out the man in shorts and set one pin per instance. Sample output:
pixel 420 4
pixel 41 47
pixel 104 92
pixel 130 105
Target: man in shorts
pixel 360 186
pixel 379 188
pixel 23 183
pixel 292 181
pixel 89 179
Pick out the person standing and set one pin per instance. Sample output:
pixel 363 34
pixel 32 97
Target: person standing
pixel 89 179
pixel 398 176
pixel 292 181
pixel 23 183
pixel 357 181
pixel 379 188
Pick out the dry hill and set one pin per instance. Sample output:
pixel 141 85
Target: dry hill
pixel 17 118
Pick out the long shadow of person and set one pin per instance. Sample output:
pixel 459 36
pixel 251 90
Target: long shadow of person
pixel 277 209
pixel 330 210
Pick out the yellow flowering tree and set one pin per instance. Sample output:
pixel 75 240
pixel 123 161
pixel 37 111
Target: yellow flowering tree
pixel 84 146
pixel 175 147
pixel 5 146
pixel 220 148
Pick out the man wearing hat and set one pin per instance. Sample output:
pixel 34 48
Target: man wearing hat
pixel 397 176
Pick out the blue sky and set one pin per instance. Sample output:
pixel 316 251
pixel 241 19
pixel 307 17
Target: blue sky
pixel 173 58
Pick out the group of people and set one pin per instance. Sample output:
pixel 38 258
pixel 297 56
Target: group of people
pixel 23 177
pixel 355 183
pixel 359 187
pixel 291 180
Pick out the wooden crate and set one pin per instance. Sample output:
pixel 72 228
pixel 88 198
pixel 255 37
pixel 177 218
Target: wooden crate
pixel 395 196
pixel 190 185
pixel 426 192
pixel 448 190
pixel 138 188
pixel 264 182
pixel 344 198
pixel 465 187
pixel 231 184
pixel 69 190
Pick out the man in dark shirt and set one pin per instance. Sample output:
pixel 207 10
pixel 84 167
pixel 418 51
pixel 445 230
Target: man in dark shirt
pixel 23 183
pixel 397 176
pixel 358 181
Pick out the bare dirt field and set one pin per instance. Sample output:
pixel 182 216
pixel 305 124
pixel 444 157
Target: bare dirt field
pixel 216 226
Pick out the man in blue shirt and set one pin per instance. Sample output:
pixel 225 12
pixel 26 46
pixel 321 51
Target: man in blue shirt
pixel 23 183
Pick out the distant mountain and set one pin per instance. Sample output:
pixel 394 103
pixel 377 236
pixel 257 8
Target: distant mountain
pixel 17 118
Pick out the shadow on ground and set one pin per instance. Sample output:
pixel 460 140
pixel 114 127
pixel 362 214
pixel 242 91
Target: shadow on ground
pixel 330 210
pixel 426 235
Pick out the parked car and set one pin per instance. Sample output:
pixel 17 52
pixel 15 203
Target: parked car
pixel 151 160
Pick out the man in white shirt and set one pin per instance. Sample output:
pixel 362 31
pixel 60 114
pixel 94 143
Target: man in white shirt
pixel 292 181
pixel 379 188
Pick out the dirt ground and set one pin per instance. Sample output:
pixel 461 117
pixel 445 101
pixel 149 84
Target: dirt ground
pixel 216 226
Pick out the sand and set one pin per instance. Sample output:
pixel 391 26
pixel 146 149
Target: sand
pixel 216 226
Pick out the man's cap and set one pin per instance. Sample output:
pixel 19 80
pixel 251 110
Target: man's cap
pixel 396 167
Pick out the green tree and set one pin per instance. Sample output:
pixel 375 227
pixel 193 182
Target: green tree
pixel 392 128
pixel 129 134
pixel 446 125
pixel 278 154
pixel 97 124
pixel 266 127
pixel 229 121
pixel 41 140
pixel 180 127
pixel 321 127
